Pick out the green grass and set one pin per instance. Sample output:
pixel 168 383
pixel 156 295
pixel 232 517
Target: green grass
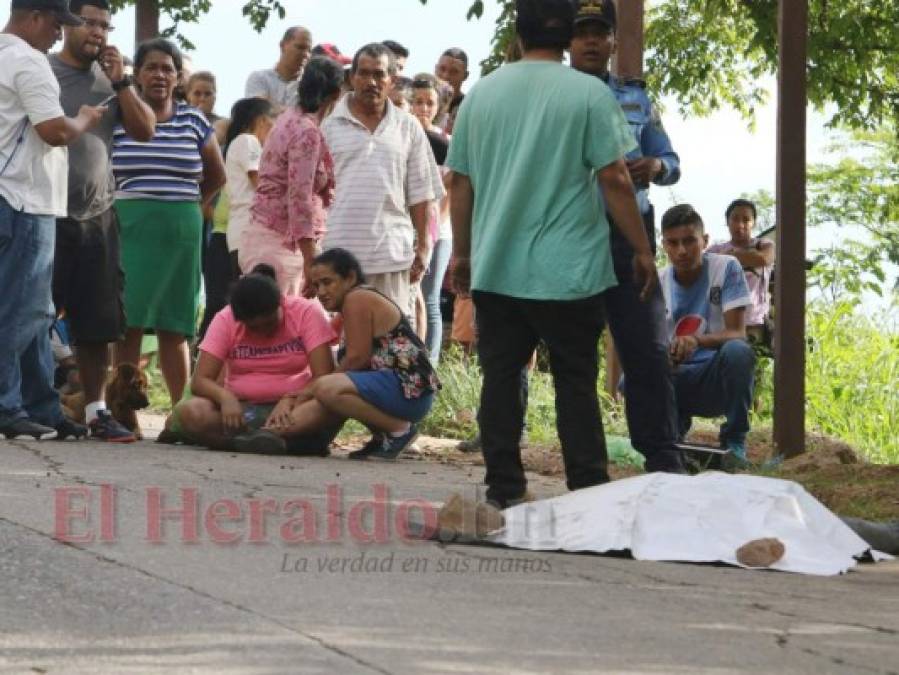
pixel 455 409
pixel 852 379
pixel 852 388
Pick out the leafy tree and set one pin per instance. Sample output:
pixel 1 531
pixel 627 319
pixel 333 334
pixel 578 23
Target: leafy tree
pixel 710 54
pixel 258 12
pixel 859 190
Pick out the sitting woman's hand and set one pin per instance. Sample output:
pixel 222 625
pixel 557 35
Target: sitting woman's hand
pixel 232 413
pixel 280 417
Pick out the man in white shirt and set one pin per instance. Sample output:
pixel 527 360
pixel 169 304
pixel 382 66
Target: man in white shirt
pixel 279 84
pixel 33 192
pixel 386 179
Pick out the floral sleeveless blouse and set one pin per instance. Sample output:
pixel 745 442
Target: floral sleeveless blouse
pixel 403 352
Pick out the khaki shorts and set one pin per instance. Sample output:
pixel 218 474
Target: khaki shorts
pixel 397 287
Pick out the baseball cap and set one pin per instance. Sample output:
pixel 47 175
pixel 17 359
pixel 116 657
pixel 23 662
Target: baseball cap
pixel 59 7
pixel 332 52
pixel 597 10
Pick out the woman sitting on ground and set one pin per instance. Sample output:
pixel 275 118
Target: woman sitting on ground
pixel 271 347
pixel 384 378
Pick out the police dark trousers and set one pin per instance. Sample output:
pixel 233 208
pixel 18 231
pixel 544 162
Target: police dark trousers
pixel 640 333
pixel 508 332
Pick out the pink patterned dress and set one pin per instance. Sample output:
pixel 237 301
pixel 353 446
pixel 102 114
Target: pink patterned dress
pixel 296 185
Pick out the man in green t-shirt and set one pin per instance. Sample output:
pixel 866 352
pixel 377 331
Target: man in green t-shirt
pixel 532 243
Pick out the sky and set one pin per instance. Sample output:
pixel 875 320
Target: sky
pixel 720 157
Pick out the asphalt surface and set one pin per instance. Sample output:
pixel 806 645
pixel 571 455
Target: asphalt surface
pixel 135 600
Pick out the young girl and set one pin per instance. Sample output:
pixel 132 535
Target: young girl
pixel 251 120
pixel 756 255
pixel 384 378
pixel 201 92
pixel 426 106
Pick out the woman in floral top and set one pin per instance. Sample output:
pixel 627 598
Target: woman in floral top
pixel 384 378
pixel 296 183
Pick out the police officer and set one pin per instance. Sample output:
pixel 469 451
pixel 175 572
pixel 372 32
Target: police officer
pixel 638 327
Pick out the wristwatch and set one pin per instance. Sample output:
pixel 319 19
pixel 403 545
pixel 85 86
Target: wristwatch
pixel 126 81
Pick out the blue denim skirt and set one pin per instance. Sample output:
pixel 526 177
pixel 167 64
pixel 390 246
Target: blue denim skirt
pixel 383 390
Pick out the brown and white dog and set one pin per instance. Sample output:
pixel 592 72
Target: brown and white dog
pixel 126 393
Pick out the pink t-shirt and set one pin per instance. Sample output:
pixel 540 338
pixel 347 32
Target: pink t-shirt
pixel 263 369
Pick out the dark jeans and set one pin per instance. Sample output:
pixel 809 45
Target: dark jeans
pixel 722 385
pixel 641 341
pixel 508 332
pixel 27 244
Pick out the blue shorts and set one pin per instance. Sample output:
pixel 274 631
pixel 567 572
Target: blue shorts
pixel 383 390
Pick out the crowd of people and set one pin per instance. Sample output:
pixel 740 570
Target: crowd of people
pixel 321 217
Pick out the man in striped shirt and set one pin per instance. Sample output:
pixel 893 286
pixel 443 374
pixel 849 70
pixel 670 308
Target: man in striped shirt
pixel 386 179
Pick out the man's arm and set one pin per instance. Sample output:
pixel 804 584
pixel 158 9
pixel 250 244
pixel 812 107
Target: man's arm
pixel 618 192
pixel 65 130
pixel 38 90
pixel 656 144
pixel 461 208
pixel 137 117
pixel 419 214
pixel 734 329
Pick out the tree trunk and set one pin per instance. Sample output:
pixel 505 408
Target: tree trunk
pixel 146 23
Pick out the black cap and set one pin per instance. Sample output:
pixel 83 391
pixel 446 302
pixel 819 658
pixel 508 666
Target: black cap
pixel 59 7
pixel 597 10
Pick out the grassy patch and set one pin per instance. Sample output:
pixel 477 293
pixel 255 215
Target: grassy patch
pixel 454 414
pixel 851 384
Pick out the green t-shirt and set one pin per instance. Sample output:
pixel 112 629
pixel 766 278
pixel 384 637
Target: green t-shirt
pixel 530 137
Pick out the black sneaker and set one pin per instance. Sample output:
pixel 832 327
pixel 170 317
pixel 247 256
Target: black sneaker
pixel 24 429
pixel 105 427
pixel 68 429
pixel 375 443
pixel 394 445
pixel 261 441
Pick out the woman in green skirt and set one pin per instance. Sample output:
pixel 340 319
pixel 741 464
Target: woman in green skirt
pixel 161 187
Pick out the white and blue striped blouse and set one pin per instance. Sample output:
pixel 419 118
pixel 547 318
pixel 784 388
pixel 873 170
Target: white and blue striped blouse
pixel 167 168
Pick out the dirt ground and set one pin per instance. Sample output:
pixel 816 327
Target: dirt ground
pixel 830 469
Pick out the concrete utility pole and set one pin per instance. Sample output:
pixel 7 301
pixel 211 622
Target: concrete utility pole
pixel 146 20
pixel 789 295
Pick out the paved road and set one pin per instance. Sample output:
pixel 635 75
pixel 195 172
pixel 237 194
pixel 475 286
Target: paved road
pixel 344 606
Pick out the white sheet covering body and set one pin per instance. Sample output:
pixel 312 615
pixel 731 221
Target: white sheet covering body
pixel 703 518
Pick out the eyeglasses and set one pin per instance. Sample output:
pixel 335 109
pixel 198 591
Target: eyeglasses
pixel 93 24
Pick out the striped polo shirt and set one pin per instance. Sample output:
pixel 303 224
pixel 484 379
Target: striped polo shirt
pixel 379 176
pixel 167 168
